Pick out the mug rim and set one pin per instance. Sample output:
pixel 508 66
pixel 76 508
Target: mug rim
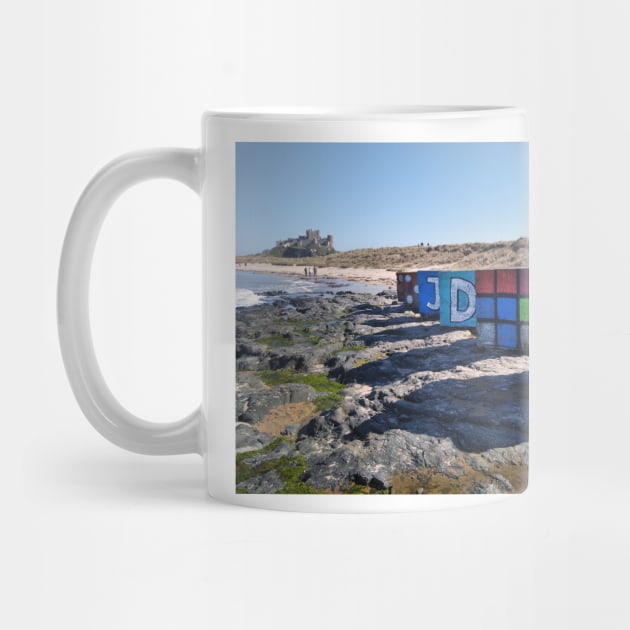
pixel 395 112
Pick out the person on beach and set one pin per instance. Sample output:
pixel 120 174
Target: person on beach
pixel 315 271
pixel 306 271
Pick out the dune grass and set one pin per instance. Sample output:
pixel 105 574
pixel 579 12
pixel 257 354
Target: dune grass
pixel 452 256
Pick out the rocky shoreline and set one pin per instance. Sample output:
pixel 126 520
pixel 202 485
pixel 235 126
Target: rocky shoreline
pixel 351 393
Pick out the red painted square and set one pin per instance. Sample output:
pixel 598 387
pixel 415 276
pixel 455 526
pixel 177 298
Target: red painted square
pixel 523 281
pixel 484 281
pixel 506 281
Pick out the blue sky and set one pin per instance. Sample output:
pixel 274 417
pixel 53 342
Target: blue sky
pixel 380 194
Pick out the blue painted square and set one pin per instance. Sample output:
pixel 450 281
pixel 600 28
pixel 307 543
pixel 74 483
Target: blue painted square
pixel 429 292
pixel 458 299
pixel 485 308
pixel 507 336
pixel 507 308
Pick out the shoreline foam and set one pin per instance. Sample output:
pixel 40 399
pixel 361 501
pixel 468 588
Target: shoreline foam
pixel 352 274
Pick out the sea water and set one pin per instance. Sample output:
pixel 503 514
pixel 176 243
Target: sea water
pixel 257 288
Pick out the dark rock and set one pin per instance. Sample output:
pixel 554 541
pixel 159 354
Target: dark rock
pixel 319 426
pixel 251 363
pixel 246 383
pixel 501 482
pixel 480 487
pixel 274 293
pixel 300 358
pixel 378 482
pixel 250 349
pixel 283 449
pixel 260 403
pixel 360 479
pixel 249 438
pixel 314 449
pixel 330 469
pixel 338 415
pixel 420 396
pixel 291 430
pixel 267 483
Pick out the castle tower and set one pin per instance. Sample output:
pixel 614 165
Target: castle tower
pixel 312 236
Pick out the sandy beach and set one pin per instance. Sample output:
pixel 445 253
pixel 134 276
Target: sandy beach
pixel 369 276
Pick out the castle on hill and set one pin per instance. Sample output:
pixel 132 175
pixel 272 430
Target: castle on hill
pixel 305 244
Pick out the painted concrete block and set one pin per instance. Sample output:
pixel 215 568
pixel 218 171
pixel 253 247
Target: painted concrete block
pixel 503 308
pixel 494 301
pixel 458 298
pixel 407 288
pixel 429 292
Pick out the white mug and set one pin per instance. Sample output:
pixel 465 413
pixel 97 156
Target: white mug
pixel 344 398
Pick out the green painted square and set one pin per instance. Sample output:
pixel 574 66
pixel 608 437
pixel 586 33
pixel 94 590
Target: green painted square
pixel 523 309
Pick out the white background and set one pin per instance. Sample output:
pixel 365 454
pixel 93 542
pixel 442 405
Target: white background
pixel 94 537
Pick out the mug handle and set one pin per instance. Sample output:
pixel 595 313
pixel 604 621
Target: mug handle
pixel 96 400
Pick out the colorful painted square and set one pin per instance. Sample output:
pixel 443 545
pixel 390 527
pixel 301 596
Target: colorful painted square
pixel 400 287
pixel 507 335
pixel 506 281
pixel 523 309
pixel 507 290
pixel 523 281
pixel 429 292
pixel 407 288
pixel 486 307
pixel 507 308
pixel 411 298
pixel 458 298
pixel 485 281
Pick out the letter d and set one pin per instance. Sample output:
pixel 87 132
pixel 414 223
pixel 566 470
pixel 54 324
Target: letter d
pixel 463 301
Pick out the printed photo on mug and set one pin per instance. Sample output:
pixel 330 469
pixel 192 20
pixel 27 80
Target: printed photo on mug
pixel 365 286
pixel 381 318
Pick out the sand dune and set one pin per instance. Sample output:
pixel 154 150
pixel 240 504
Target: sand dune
pixel 379 266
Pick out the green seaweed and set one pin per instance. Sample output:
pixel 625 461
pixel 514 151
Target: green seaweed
pixel 319 382
pixel 357 488
pixel 289 469
pixel 276 341
pixel 351 348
